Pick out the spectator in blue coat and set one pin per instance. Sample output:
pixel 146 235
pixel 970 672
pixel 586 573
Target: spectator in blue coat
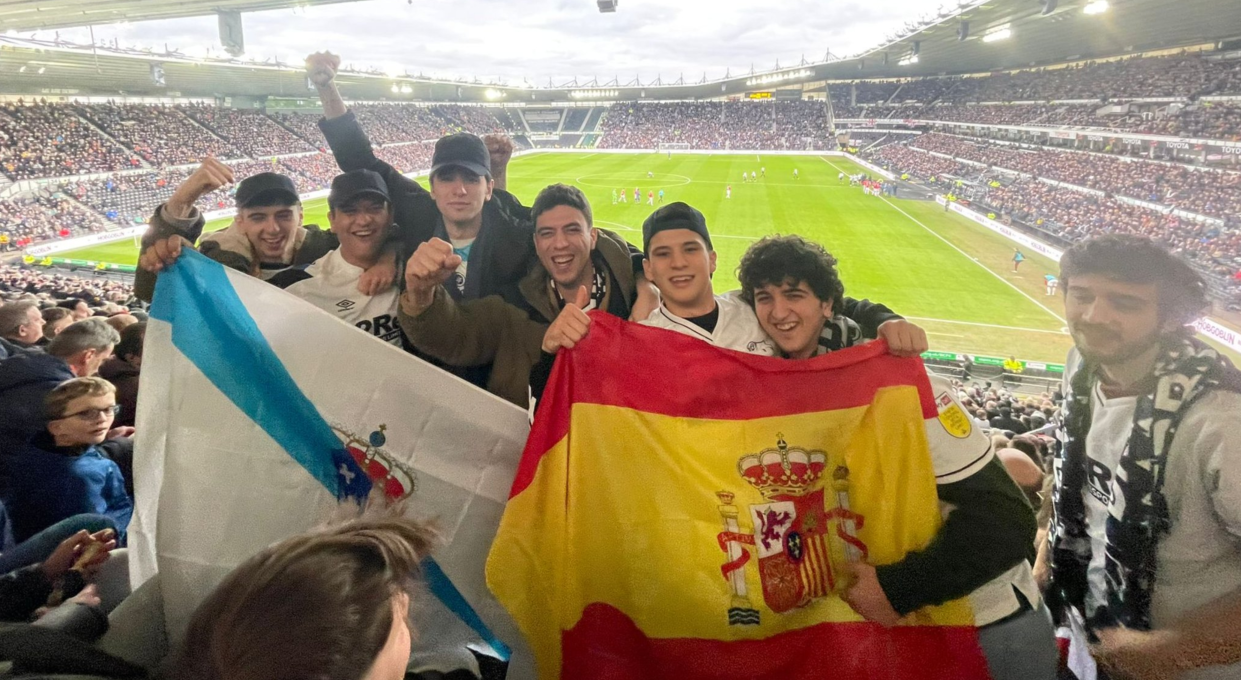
pixel 63 471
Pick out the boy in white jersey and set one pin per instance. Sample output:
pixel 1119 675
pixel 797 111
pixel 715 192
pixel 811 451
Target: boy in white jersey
pixel 982 550
pixel 360 212
pixel 680 261
pixel 1145 541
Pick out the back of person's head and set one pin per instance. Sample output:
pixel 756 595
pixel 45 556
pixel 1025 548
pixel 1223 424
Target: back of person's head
pixel 556 195
pixel 131 341
pixel 14 315
pixel 777 260
pixel 318 605
pixel 53 314
pixel 90 333
pixel 68 303
pixel 1029 445
pixel 1139 260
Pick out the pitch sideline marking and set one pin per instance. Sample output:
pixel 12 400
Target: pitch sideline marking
pixel 987 325
pixel 952 245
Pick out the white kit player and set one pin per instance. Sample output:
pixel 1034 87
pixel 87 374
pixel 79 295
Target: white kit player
pixel 795 174
pixel 728 191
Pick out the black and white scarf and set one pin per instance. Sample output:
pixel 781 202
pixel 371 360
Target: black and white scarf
pixel 1138 517
pixel 838 333
pixel 598 291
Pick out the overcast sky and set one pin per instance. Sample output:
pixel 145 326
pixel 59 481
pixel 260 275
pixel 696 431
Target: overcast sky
pixel 541 39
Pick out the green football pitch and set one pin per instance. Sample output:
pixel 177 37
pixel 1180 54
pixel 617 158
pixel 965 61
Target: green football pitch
pixel 948 274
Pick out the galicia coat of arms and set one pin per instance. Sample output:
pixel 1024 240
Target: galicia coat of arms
pixel 396 479
pixel 799 537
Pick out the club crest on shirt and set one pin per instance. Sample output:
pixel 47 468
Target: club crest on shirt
pixel 952 417
pixel 800 536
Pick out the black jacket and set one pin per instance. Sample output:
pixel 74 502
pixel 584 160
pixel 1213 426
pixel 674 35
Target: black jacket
pixel 503 252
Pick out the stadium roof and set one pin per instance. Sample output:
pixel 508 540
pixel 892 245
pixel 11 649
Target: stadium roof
pixel 24 15
pixel 1067 34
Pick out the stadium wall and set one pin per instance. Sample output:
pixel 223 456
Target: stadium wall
pixel 1208 327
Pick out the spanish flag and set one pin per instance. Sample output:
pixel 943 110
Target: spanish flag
pixel 683 511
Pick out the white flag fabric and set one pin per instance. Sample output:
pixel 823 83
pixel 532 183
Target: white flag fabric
pixel 258 411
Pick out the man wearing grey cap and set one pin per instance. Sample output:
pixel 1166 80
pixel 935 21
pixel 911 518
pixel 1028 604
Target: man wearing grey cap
pixel 360 213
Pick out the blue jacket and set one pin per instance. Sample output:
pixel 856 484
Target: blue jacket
pixel 25 379
pixel 50 484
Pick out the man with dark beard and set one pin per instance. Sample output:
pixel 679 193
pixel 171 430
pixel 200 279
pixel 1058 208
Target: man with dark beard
pixel 1145 543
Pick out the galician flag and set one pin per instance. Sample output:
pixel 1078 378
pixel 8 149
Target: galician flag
pixel 683 512
pixel 259 413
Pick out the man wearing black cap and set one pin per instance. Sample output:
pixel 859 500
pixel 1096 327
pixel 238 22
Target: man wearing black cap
pixel 680 261
pixel 466 206
pixel 266 237
pixel 360 213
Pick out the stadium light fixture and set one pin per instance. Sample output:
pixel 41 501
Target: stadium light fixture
pixel 1096 7
pixel 395 88
pixel 906 61
pixel 1001 33
pixel 42 69
pixel 493 94
pixel 405 89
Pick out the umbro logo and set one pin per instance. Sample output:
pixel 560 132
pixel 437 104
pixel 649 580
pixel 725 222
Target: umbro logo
pixel 345 304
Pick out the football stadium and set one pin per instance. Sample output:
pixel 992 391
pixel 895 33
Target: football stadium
pixel 1010 226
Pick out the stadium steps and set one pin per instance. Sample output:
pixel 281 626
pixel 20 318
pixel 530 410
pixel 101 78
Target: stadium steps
pixel 210 131
pixel 99 131
pixel 593 120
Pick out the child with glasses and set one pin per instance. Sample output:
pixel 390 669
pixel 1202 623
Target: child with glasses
pixel 63 471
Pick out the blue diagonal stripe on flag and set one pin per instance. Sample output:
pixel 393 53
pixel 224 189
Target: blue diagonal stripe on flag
pixel 213 329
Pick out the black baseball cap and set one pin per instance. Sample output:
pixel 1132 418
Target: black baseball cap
pixel 265 186
pixel 350 185
pixel 674 216
pixel 461 150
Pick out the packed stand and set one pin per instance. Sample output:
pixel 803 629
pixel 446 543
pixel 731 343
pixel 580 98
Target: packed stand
pixel 48 286
pixel 388 123
pixel 1173 76
pixel 45 217
pixel 253 133
pixel 1208 192
pixel 162 135
pixel 129 199
pixel 303 125
pixel 717 125
pixel 407 157
pixel 476 119
pixel 47 140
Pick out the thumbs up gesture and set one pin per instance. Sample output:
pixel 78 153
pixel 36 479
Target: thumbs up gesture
pixel 570 326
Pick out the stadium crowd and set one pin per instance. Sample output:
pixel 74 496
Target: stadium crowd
pixel 716 125
pixel 491 290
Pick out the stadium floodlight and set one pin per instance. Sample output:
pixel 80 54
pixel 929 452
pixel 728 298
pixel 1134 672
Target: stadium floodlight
pixel 493 94
pixel 1001 33
pixel 906 61
pixel 1096 7
pixel 405 89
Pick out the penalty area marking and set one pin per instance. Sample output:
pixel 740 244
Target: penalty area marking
pixel 952 245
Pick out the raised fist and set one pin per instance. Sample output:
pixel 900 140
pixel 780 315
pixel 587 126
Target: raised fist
pixel 208 177
pixel 432 264
pixel 500 147
pixel 321 68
